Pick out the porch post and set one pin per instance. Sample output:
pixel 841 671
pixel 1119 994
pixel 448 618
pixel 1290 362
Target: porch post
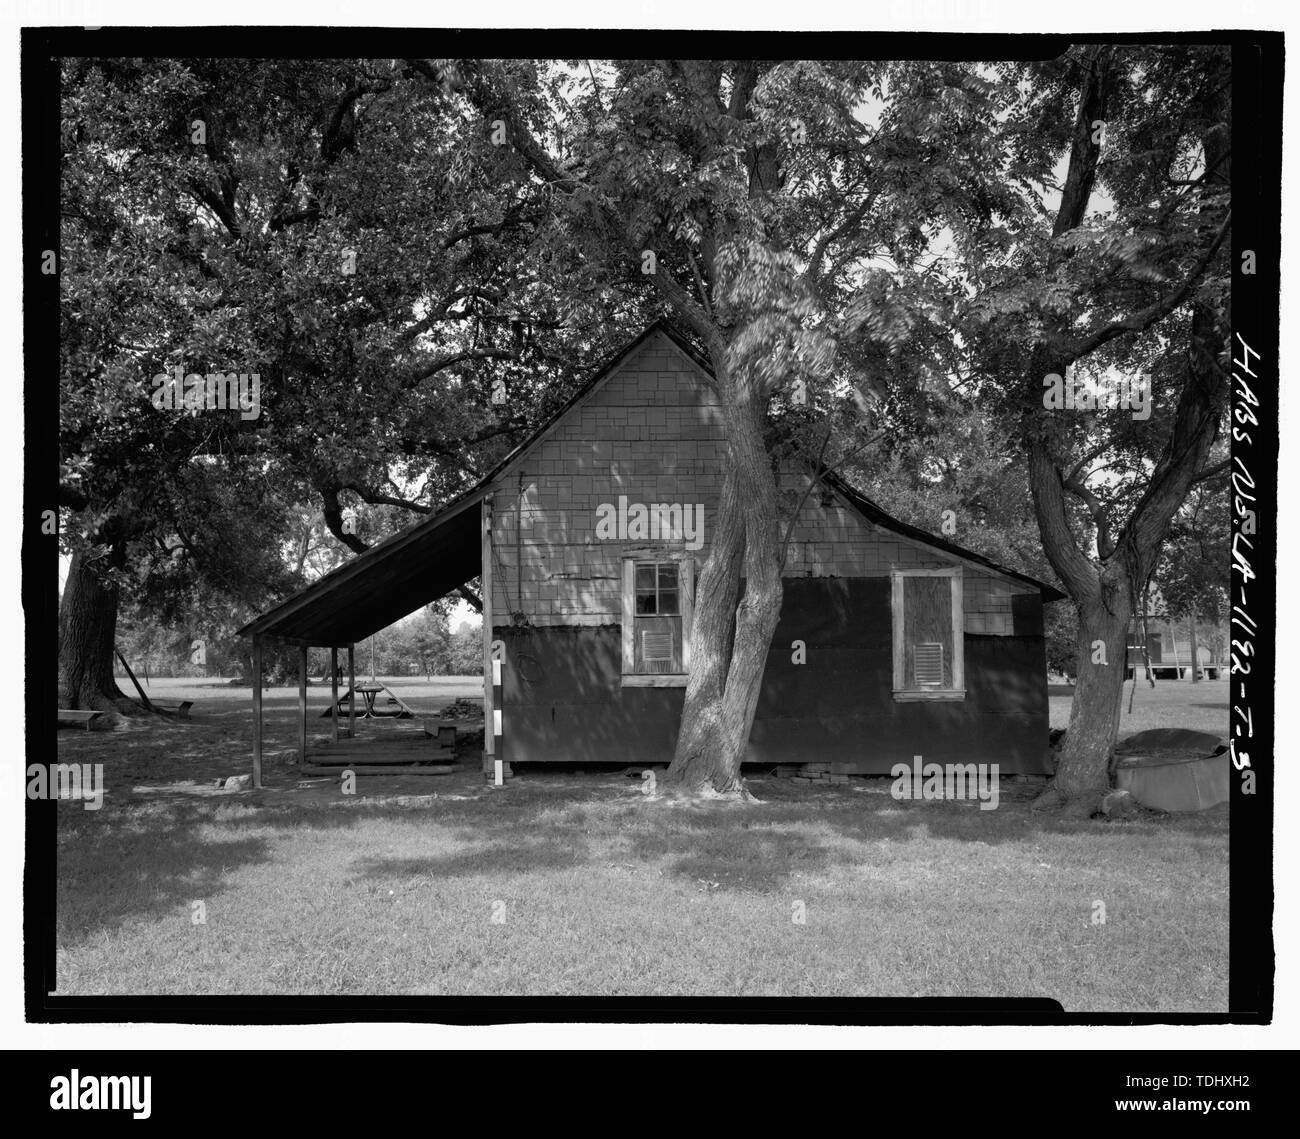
pixel 302 703
pixel 334 689
pixel 485 575
pixel 352 690
pixel 257 710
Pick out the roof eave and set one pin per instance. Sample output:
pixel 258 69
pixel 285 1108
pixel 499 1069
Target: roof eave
pixel 880 517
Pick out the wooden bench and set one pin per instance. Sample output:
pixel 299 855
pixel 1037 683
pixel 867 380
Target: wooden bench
pixel 78 718
pixel 182 709
pixel 1159 671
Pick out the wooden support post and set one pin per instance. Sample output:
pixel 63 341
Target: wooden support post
pixel 352 691
pixel 302 703
pixel 334 689
pixel 485 576
pixel 257 711
pixel 143 698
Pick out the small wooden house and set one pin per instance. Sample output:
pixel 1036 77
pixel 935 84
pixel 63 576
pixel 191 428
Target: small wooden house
pixel 588 538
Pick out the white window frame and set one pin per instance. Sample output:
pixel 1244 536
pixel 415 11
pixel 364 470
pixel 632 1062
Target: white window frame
pixel 686 604
pixel 902 691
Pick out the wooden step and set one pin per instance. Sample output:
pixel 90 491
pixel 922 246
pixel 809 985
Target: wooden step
pixel 420 743
pixel 324 759
pixel 429 750
pixel 395 770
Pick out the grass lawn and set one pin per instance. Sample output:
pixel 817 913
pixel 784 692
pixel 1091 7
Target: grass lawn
pixel 1202 707
pixel 566 884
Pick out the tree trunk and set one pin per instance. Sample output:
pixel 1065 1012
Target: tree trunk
pixel 731 633
pixel 1196 652
pixel 1083 769
pixel 1101 586
pixel 87 627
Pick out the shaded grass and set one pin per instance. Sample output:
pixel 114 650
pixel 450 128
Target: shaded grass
pixel 600 892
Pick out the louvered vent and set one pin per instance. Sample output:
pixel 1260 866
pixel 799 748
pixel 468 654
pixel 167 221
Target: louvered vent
pixel 656 647
pixel 928 663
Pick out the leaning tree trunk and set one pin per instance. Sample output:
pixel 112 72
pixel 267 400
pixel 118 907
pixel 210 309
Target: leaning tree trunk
pixel 731 633
pixel 1083 769
pixel 87 628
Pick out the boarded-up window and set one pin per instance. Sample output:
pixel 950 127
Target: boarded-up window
pixel 927 631
pixel 658 605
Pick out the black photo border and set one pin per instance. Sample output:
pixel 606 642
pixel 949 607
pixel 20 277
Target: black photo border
pixel 1256 172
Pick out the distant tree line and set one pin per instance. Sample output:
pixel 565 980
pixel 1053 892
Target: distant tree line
pixel 421 645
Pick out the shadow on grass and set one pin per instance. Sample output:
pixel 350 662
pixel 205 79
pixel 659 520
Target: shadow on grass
pixel 140 866
pixel 141 861
pixel 735 854
pixel 522 856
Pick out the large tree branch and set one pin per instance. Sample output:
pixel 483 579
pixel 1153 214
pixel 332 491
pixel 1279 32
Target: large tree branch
pixel 223 211
pixel 332 510
pixel 812 274
pixel 493 100
pixel 1081 172
pixel 442 311
pixel 1213 472
pixel 379 498
pixel 1105 544
pixel 1072 566
pixel 511 217
pixel 1145 318
pixel 1196 419
pixel 337 136
pixel 424 371
pixel 699 282
pixel 1088 457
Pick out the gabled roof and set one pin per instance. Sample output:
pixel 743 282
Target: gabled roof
pixel 385 583
pixel 598 375
pixel 436 555
pixel 875 514
pixel 425 561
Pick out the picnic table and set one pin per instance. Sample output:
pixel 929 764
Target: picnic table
pixel 368 694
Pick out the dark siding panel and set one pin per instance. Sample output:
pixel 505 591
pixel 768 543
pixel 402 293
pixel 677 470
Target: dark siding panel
pixel 643 730
pixel 563 701
pixel 1027 614
pixel 560 665
pixel 1006 674
pixel 941 732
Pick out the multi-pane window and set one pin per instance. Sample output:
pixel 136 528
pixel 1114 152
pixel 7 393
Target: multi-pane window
pixel 656 589
pixel 928 634
pixel 656 606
